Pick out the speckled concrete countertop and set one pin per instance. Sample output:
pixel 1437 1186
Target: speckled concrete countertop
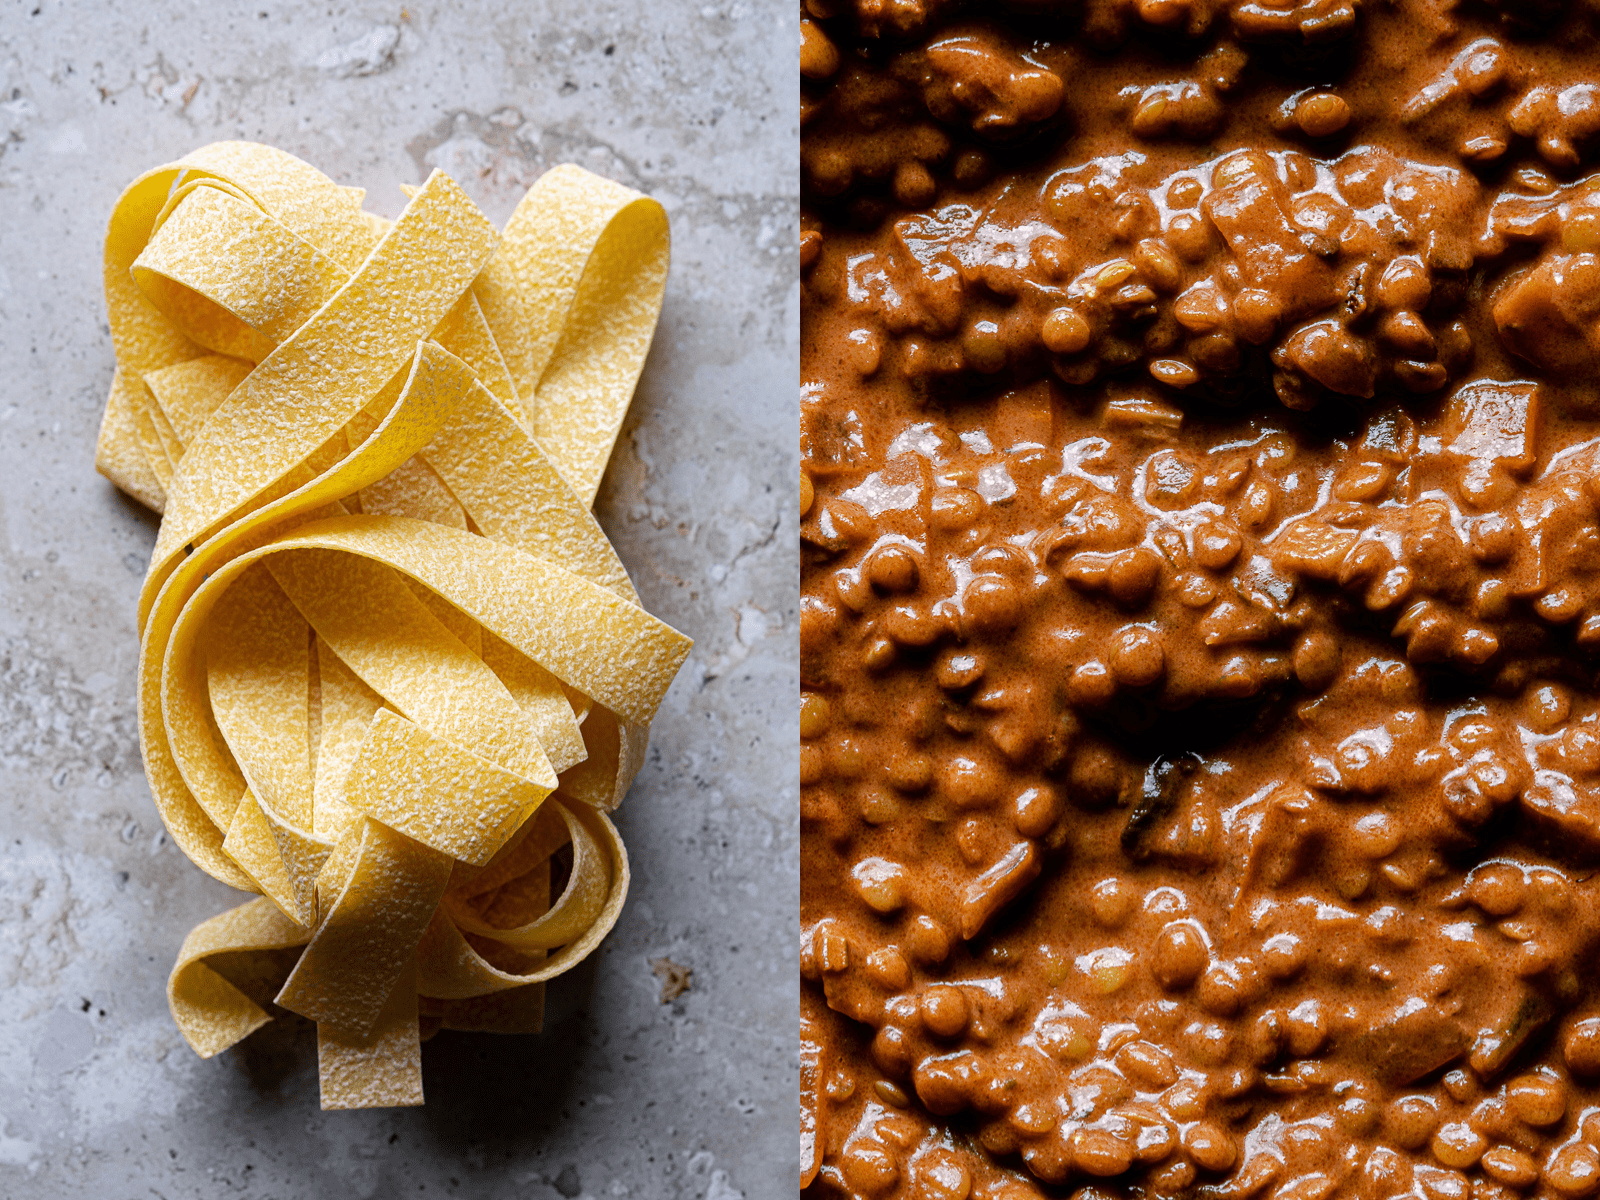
pixel 622 1095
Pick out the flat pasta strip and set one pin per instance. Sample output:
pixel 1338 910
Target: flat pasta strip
pixel 212 1013
pixel 414 490
pixel 119 452
pixel 588 258
pixel 283 865
pixel 614 753
pixel 157 435
pixel 187 393
pixel 258 664
pixel 383 1067
pixel 542 699
pixel 375 919
pixel 399 772
pixel 148 437
pixel 243 302
pixel 348 706
pixel 514 494
pixel 391 669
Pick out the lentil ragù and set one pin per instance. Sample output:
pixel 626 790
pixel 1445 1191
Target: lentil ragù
pixel 1201 599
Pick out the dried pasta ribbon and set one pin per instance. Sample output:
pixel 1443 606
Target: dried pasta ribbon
pixel 392 674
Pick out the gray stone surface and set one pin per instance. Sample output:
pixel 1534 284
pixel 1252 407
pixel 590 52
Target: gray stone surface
pixel 621 1096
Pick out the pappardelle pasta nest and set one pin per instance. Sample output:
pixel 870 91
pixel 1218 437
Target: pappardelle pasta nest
pixel 392 674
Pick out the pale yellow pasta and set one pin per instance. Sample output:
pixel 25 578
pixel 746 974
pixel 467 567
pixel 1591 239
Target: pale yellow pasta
pixel 390 666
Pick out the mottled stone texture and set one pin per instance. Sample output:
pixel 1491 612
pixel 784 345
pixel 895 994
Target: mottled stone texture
pixel 622 1095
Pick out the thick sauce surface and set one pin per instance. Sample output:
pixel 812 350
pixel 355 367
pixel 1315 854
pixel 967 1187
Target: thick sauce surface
pixel 1201 599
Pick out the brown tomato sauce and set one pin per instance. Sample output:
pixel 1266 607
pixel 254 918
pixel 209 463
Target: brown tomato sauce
pixel 1201 599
